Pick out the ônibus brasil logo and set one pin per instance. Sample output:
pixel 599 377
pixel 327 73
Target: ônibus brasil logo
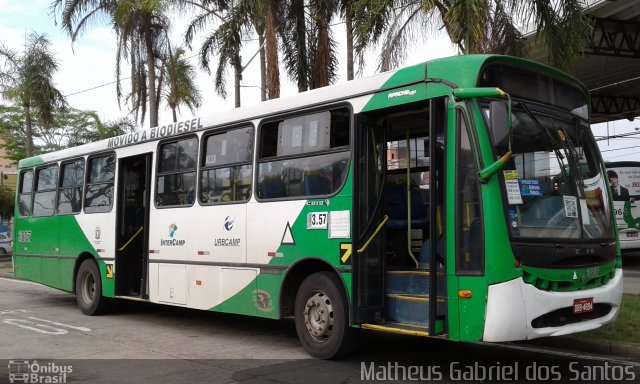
pixel 26 371
pixel 172 242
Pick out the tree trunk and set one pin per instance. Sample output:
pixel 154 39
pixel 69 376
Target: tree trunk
pixel 302 59
pixel 349 26
pixel 236 82
pixel 175 116
pixel 29 131
pixel 320 75
pixel 263 68
pixel 273 74
pixel 151 91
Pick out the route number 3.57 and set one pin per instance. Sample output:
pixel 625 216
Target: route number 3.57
pixel 317 220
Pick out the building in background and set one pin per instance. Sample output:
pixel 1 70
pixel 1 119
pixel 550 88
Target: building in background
pixel 8 169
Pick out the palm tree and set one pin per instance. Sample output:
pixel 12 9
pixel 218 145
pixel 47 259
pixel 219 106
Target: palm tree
pixel 140 26
pixel 235 22
pixel 27 81
pixel 180 85
pixel 475 26
pixel 347 11
pixel 309 47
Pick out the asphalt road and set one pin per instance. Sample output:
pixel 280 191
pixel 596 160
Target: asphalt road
pixel 42 330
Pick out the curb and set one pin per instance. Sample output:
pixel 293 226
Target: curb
pixel 573 344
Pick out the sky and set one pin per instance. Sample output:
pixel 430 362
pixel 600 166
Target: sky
pixel 87 70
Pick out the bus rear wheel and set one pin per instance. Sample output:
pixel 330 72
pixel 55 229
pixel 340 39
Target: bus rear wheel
pixel 89 290
pixel 321 317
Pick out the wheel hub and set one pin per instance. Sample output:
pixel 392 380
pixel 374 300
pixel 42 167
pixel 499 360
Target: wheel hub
pixel 318 316
pixel 88 288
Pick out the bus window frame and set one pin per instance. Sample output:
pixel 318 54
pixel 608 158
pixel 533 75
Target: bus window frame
pixel 21 180
pixel 54 189
pixel 86 179
pixel 158 161
pixel 202 155
pixel 82 185
pixel 281 117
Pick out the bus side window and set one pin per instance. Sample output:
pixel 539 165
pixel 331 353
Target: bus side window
pixel 176 182
pixel 45 194
pixel 226 170
pixel 100 177
pixel 25 198
pixel 304 156
pixel 70 190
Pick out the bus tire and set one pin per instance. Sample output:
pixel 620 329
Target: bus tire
pixel 321 317
pixel 89 290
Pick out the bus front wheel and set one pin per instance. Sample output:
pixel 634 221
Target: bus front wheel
pixel 321 317
pixel 89 290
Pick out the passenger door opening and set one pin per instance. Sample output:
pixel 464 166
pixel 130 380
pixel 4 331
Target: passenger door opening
pixel 132 226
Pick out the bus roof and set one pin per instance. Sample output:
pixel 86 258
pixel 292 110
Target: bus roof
pixel 460 71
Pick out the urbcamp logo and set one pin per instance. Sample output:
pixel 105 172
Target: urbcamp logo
pixel 97 233
pixel 33 372
pixel 228 223
pixel 172 229
pixel 172 242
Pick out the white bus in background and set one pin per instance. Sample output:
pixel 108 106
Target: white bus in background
pixel 624 181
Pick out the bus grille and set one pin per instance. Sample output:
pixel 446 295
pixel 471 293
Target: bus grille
pixel 567 286
pixel 564 316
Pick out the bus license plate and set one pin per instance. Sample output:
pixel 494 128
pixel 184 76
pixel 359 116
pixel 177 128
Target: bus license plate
pixel 632 234
pixel 582 305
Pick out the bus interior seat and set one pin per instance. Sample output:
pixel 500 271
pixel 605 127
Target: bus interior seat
pixel 316 184
pixel 272 187
pixel 396 208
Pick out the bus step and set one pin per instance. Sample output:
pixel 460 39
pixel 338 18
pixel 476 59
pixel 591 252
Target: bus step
pixel 408 309
pixel 405 329
pixel 411 282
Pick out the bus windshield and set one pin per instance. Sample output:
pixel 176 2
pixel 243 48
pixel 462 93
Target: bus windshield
pixel 554 185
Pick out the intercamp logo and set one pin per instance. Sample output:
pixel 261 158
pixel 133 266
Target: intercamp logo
pixel 32 372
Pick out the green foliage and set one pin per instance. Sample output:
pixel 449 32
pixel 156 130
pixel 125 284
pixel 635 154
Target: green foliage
pixel 180 86
pixel 70 127
pixel 26 80
pixel 475 26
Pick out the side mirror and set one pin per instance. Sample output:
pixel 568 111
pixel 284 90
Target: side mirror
pixel 499 120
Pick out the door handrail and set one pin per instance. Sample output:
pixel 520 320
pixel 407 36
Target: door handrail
pixel 373 235
pixel 131 239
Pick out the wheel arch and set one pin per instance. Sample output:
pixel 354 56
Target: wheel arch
pixel 294 276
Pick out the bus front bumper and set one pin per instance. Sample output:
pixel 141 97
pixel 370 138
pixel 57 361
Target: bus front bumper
pixel 513 305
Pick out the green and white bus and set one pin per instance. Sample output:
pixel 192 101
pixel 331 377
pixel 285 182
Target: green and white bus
pixel 463 198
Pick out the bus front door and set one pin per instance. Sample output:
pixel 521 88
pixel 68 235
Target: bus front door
pixel 132 251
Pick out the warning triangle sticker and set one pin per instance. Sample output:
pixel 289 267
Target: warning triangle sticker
pixel 287 236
